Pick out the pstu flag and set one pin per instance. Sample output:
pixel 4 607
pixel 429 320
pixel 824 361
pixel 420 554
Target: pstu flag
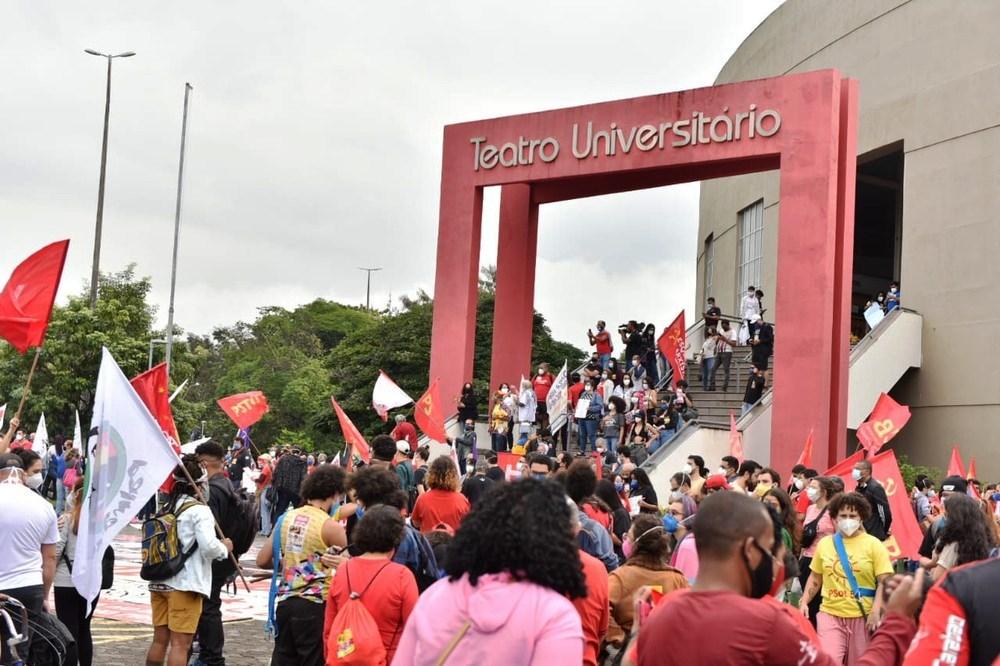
pixel 129 457
pixel 885 422
pixel 387 395
pixel 429 415
pixel 673 345
pixel 355 440
pixel 244 409
pixel 557 401
pixel 26 301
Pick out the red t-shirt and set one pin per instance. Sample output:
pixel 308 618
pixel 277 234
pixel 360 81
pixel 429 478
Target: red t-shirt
pixel 602 517
pixel 406 431
pixel 574 393
pixel 389 598
pixel 439 506
pixel 542 384
pixel 603 342
pixel 264 479
pixel 593 608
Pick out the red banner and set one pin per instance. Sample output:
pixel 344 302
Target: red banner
pixel 429 415
pixel 906 535
pixel 508 463
pixel 672 343
pixel 353 437
pixel 26 301
pixel 152 388
pixel 885 422
pixel 244 409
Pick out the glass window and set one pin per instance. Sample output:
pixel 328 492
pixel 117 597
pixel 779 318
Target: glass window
pixel 751 247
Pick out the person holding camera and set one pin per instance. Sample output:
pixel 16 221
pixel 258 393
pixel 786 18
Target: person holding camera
pixel 631 334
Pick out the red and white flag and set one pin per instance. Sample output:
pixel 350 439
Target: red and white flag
pixel 387 395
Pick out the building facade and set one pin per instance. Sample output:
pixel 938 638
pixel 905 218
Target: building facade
pixel 928 196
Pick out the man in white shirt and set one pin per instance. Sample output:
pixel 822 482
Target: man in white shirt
pixel 724 354
pixel 708 359
pixel 29 539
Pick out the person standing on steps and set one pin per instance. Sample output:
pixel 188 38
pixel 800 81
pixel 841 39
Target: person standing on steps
pixel 754 390
pixel 726 338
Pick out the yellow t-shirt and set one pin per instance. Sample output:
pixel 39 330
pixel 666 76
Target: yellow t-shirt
pixel 869 559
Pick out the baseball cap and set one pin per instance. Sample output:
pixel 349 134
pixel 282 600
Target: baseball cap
pixel 403 446
pixel 953 484
pixel 717 482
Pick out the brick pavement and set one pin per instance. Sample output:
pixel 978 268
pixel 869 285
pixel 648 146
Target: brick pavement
pixel 125 644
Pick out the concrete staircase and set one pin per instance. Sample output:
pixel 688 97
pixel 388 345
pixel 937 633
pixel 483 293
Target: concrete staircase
pixel 714 406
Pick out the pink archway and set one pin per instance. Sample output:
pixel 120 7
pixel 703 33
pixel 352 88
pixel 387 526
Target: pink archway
pixel 803 124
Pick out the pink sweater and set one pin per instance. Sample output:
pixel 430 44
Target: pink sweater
pixel 512 622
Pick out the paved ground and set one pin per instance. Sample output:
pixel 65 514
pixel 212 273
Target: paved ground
pixel 121 626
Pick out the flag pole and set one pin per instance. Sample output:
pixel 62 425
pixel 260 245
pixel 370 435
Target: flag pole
pixel 27 384
pixel 218 530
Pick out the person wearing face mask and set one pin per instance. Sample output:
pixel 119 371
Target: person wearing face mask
pixel 850 568
pixel 637 371
pixel 385 588
pixel 542 384
pixel 767 478
pixel 500 419
pixel 308 538
pixel 30 537
pixel 589 423
pixel 696 471
pixel 725 613
pixel 892 300
pixel 646 549
pixel 613 424
pixel 817 524
pixel 601 341
pixel 879 522
pixel 12 431
pixel 31 463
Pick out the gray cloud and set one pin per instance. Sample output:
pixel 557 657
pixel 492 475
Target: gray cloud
pixel 315 143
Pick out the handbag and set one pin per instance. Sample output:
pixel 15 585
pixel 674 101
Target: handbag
pixel 810 530
pixel 845 564
pixel 107 567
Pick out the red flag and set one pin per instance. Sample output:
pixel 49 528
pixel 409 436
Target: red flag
pixel 673 345
pixel 844 467
pixel 244 409
pixel 972 474
pixel 26 301
pixel 355 441
pixel 885 422
pixel 735 439
pixel 955 466
pixel 428 414
pixel 152 387
pixel 806 457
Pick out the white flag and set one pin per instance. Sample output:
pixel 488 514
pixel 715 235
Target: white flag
pixel 3 412
pixel 387 395
pixel 557 400
pixel 129 458
pixel 40 444
pixel 78 442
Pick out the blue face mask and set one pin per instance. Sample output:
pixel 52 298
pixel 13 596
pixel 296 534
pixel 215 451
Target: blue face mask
pixel 619 486
pixel 670 524
pixel 996 497
pixel 359 512
pixel 633 484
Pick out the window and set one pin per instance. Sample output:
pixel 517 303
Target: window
pixel 751 247
pixel 709 265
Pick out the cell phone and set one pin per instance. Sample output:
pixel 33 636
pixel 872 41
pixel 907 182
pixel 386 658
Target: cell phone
pixel 335 550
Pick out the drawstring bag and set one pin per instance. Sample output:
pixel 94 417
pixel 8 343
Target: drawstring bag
pixel 354 637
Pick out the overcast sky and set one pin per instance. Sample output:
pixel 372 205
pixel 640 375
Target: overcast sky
pixel 315 143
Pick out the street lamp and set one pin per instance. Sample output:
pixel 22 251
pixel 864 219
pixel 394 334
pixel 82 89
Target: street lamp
pixel 95 269
pixel 368 291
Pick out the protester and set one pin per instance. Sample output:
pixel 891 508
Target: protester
pixel 761 342
pixel 465 445
pixel 818 523
pixel 73 610
pixel 892 300
pixel 754 389
pixel 966 536
pixel 778 499
pixel 647 550
pixel 265 470
pixel 28 541
pixel 500 420
pixel 613 424
pixel 588 424
pixel 950 485
pixel 643 489
pixel 729 468
pixel 387 590
pixel 601 341
pixel 511 567
pixel 178 601
pixel 478 484
pixel 695 468
pixel 306 538
pixel 13 433
pixel 468 404
pixel 443 503
pixel 593 608
pixel 726 341
pixel 722 615
pixel 528 407
pixel 405 431
pixel 289 473
pixel 850 568
pixel 708 349
pixel 541 384
pixel 239 462
pixel 923 491
pixel 879 522
pixel 594 537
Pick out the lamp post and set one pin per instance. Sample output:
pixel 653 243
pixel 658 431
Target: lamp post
pixel 95 269
pixel 368 290
pixel 177 230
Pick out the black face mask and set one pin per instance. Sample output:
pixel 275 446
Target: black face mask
pixel 762 576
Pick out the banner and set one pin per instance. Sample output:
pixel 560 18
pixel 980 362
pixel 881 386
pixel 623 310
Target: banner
pixel 153 389
pixel 355 440
pixel 40 444
pixel 735 439
pixel 885 422
pixel 387 395
pixel 129 457
pixel 557 401
pixel 26 301
pixel 244 409
pixel 429 415
pixel 905 537
pixel 672 343
pixel 955 466
pixel 508 463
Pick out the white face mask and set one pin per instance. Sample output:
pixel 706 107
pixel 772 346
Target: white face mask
pixel 799 484
pixel 856 474
pixel 688 469
pixel 812 494
pixel 848 526
pixel 722 471
pixel 34 481
pixel 19 436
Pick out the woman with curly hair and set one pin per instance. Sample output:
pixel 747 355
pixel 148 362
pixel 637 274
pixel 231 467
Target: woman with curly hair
pixel 443 503
pixel 512 569
pixel 646 551
pixel 965 537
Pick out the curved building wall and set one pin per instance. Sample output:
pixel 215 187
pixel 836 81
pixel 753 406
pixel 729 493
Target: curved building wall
pixel 929 75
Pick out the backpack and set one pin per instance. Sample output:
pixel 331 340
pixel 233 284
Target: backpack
pixel 354 637
pixel 51 643
pixel 242 520
pixel 162 556
pixel 415 553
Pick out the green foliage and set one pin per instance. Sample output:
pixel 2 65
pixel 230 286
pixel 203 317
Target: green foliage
pixel 910 472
